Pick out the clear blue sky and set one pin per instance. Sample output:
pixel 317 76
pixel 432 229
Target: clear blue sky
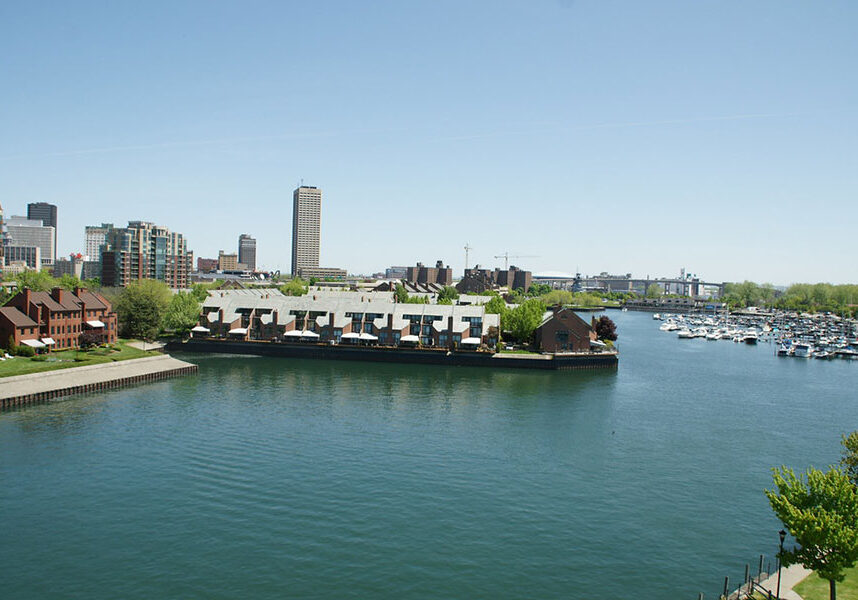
pixel 620 136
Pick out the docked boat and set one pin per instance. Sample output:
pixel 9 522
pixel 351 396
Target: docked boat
pixel 685 334
pixel 750 337
pixel 784 350
pixel 803 350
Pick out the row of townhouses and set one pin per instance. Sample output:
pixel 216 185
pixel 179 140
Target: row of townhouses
pixel 343 318
pixel 59 319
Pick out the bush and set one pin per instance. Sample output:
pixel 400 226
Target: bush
pixel 500 346
pixel 40 358
pixel 25 351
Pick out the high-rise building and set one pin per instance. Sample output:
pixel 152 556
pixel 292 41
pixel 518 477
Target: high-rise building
pixel 94 238
pixel 145 251
pixel 21 231
pixel 2 239
pixel 306 228
pixel 47 214
pixel 227 261
pixel 247 251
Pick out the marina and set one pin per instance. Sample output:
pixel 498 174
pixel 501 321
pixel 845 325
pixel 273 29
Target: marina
pixel 821 336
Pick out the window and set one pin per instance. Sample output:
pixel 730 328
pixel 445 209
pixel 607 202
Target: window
pixel 442 339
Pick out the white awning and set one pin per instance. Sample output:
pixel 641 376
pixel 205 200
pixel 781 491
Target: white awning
pixel 95 324
pixel 409 338
pixel 476 341
pixel 48 341
pixel 368 336
pixel 293 333
pixel 33 343
pixel 350 336
pixel 598 344
pixel 238 331
pixel 310 334
pixel 200 329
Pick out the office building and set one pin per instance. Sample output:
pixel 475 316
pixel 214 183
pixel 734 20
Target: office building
pixel 31 256
pixel 306 228
pixel 94 238
pixel 145 251
pixel 21 231
pixel 206 265
pixel 227 262
pixel 47 214
pixel 247 251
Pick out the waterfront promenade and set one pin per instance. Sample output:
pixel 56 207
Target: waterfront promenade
pixel 36 387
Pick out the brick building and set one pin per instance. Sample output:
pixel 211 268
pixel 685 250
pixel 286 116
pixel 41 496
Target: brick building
pixel 17 329
pixel 562 330
pixel 63 317
pixel 438 274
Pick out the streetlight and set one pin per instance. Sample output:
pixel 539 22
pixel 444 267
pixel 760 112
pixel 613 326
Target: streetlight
pixel 782 535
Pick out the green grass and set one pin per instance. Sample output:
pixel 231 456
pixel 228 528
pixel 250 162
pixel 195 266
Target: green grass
pixel 65 359
pixel 816 588
pixel 517 352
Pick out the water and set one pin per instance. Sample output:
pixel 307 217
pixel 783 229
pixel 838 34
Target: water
pixel 275 478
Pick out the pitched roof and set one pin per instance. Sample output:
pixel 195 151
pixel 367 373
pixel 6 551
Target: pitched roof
pixel 70 301
pixel 93 300
pixel 16 317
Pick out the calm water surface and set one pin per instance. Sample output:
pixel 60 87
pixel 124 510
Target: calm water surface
pixel 277 478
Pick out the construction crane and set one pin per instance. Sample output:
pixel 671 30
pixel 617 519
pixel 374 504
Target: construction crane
pixel 506 256
pixel 467 249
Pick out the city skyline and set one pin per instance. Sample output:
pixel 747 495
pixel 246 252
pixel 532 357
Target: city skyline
pixel 670 135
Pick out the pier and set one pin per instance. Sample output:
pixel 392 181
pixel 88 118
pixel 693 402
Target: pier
pixel 21 390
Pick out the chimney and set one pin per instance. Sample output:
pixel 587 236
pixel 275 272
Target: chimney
pixel 58 294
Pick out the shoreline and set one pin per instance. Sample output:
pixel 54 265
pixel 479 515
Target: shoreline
pixel 22 390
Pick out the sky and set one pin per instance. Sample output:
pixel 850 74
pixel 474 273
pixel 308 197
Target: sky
pixel 581 135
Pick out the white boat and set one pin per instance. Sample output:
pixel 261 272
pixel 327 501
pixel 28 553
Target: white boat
pixel 713 335
pixel 656 317
pixel 803 350
pixel 685 334
pixel 750 337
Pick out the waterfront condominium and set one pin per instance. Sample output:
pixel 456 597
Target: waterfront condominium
pixel 47 214
pixel 145 251
pixel 306 228
pixel 247 251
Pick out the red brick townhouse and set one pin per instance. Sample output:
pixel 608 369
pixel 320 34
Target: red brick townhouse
pixel 63 317
pixel 17 329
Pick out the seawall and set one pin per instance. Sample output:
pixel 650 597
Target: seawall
pixel 33 388
pixel 430 356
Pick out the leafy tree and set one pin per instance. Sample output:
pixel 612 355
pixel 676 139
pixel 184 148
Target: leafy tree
pixel 200 292
pixel 38 281
pixel 558 297
pixel 849 458
pixel 448 292
pixel 496 306
pixel 654 291
pixel 820 510
pixel 587 300
pixel 70 282
pixel 606 329
pixel 444 300
pixel 182 313
pixel 141 307
pixel 400 294
pixel 295 287
pixel 92 283
pixel 538 289
pixel 314 280
pixel 523 320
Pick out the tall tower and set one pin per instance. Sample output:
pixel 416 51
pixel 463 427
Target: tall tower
pixel 2 239
pixel 247 251
pixel 306 228
pixel 47 214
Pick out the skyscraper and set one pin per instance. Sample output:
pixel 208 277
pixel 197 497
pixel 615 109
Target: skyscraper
pixel 306 228
pixel 247 251
pixel 94 238
pixel 2 239
pixel 47 214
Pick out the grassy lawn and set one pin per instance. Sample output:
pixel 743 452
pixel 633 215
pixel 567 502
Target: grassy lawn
pixel 505 351
pixel 815 588
pixel 65 359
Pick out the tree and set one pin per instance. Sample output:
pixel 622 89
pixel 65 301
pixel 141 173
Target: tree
pixel 448 292
pixel 820 510
pixel 849 458
pixel 538 289
pixel 558 297
pixel 38 281
pixel 523 320
pixel 182 313
pixel 70 282
pixel 200 292
pixel 141 307
pixel 496 306
pixel 606 329
pixel 295 287
pixel 654 291
pixel 400 294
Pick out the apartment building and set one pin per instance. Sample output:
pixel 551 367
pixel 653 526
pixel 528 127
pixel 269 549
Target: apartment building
pixel 144 250
pixel 306 227
pixel 439 274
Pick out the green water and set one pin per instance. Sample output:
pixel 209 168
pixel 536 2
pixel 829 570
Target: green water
pixel 277 478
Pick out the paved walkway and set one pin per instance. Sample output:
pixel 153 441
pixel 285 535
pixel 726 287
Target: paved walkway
pixel 35 383
pixel 790 577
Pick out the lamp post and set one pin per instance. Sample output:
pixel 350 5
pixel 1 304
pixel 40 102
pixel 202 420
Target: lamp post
pixel 782 535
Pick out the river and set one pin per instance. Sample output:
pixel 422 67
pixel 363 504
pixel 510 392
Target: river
pixel 278 478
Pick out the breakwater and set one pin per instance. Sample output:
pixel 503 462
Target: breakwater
pixel 21 390
pixel 429 356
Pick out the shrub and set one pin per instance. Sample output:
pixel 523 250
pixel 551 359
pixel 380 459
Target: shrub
pixel 25 351
pixel 40 358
